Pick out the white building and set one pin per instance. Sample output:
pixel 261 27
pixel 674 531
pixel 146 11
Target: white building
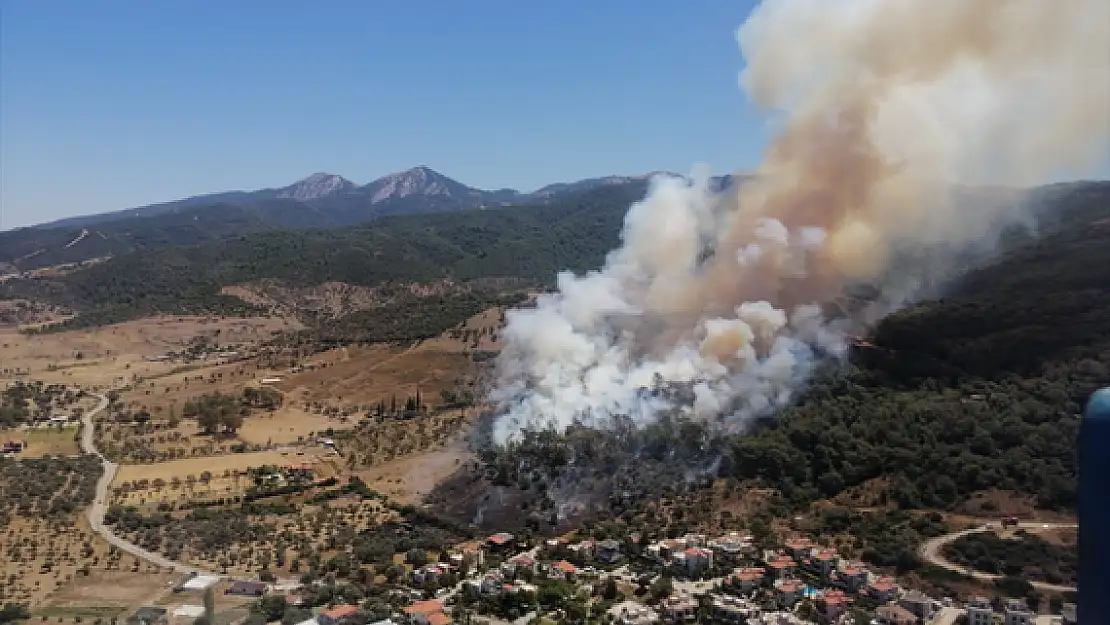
pixel 979 611
pixel 1016 612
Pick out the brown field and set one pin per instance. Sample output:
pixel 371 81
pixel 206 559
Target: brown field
pixel 47 441
pixel 409 479
pixel 215 465
pixel 38 559
pixel 223 483
pixel 103 356
pixel 157 442
pixel 102 593
pixel 360 376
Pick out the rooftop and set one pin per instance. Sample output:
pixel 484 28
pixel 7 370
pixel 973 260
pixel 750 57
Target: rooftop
pixel 340 611
pixel 565 567
pixel 424 607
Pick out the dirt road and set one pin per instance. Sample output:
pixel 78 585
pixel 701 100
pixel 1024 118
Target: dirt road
pixel 99 506
pixel 931 552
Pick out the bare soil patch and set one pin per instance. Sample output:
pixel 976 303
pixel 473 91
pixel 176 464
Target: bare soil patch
pixel 409 479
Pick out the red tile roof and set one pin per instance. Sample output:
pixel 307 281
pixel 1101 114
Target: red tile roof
pixel 424 607
pixel 790 585
pixel 439 618
pixel 340 611
pixel 565 567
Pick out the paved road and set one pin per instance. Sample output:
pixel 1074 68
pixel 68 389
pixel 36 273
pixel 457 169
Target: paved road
pixel 931 551
pixel 99 507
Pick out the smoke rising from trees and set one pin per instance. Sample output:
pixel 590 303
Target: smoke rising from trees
pixel 885 108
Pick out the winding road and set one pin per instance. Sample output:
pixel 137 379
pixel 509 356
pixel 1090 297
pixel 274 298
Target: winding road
pixel 99 506
pixel 931 551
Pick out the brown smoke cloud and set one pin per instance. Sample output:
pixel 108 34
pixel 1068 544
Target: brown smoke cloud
pixel 884 106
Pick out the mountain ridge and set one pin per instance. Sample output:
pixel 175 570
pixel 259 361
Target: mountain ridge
pixel 325 188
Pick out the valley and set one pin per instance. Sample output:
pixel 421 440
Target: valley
pixel 332 430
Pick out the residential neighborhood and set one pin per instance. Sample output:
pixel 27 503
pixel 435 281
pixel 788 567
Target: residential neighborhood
pixel 506 579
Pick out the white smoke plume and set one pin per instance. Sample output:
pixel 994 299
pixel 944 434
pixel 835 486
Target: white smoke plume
pixel 883 106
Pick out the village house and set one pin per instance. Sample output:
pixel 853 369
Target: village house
pixel 733 609
pixel 851 578
pixel 500 542
pixel 882 590
pixel 788 592
pixel 979 611
pixel 468 556
pixel 777 618
pixel 148 615
pixel 14 447
pixel 490 584
pixel 430 573
pixel 799 548
pixel 564 570
pixel 424 613
pixel 1068 614
pixel 337 614
pixel 1016 612
pixel 519 586
pixel 246 589
pixel 694 561
pixel 609 551
pixel 303 471
pixel 679 607
pixel 583 550
pixel 556 546
pixel 894 615
pixel 631 613
pixel 518 564
pixel 822 563
pixel 836 604
pixel 781 567
pixel 731 547
pixel 748 579
pixel 919 604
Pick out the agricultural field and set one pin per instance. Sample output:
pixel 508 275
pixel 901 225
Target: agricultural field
pixel 122 352
pixel 46 441
pixel 45 543
pixel 180 482
pixel 279 533
pixel 223 465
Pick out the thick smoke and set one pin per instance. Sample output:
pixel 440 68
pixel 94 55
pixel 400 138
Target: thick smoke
pixel 883 107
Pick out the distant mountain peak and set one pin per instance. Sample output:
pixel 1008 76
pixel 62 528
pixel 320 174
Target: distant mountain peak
pixel 419 180
pixel 316 186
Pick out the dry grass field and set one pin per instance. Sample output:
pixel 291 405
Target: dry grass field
pixel 359 376
pixel 107 594
pixel 47 441
pixel 103 356
pixel 135 485
pixel 195 466
pixel 158 442
pixel 409 479
pixel 41 557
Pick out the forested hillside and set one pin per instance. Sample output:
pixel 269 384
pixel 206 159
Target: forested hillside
pixel 524 245
pixel 980 390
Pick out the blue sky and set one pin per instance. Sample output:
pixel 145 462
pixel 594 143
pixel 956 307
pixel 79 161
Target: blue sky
pixel 108 104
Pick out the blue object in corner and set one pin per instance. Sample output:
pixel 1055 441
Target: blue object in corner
pixel 1094 510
